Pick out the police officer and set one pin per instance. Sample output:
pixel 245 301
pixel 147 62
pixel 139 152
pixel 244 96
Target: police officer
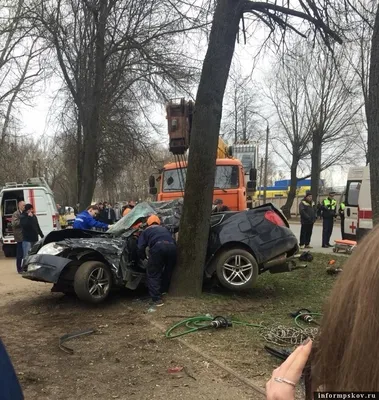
pixel 307 217
pixel 161 260
pixel 328 207
pixel 341 212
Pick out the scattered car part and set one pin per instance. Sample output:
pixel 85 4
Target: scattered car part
pixel 69 336
pixel 306 256
pixel 281 354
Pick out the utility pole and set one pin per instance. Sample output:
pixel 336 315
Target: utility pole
pixel 34 168
pixel 266 165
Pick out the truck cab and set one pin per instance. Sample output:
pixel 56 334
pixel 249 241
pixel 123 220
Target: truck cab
pixel 235 180
pixel 229 182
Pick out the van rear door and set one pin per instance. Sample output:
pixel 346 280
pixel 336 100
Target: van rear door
pixel 351 208
pixel 37 197
pixel 364 206
pixel 1 216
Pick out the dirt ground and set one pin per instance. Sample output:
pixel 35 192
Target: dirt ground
pixel 126 358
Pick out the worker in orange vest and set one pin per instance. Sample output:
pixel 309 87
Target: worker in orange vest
pixel 129 208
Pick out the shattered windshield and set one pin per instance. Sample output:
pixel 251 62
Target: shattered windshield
pixel 168 211
pixel 226 178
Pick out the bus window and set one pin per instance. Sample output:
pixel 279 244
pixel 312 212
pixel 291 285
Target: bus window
pixel 352 193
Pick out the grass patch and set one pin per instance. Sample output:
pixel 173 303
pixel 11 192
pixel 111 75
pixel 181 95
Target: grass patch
pixel 276 295
pixel 270 303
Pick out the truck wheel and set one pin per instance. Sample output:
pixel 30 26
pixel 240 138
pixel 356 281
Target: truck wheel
pixel 236 269
pixel 9 250
pixel 92 282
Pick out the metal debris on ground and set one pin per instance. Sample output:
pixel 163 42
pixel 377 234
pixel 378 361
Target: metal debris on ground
pixel 174 370
pixel 285 336
pixel 69 336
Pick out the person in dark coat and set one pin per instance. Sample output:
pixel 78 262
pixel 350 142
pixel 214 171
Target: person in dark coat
pixel 161 260
pixel 307 218
pixel 30 229
pixel 108 214
pixel 10 388
pixel 218 206
pixel 17 233
pixel 329 213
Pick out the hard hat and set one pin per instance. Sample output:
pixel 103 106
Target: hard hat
pixel 126 211
pixel 153 219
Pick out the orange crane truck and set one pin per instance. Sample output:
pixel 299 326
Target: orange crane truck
pixel 233 184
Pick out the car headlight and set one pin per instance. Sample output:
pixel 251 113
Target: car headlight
pixel 51 249
pixel 34 267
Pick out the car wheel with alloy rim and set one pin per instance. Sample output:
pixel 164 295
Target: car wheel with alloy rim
pixel 236 269
pixel 92 282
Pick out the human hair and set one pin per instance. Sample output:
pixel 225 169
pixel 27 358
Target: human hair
pixel 93 207
pixel 344 356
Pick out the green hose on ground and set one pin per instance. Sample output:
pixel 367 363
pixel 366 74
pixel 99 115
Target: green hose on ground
pixel 202 322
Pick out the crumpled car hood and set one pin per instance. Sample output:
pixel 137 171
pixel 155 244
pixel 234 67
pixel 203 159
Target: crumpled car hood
pixel 103 245
pixel 168 211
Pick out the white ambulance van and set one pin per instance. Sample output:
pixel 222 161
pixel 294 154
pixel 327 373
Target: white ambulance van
pixel 358 211
pixel 364 206
pixel 35 191
pixel 353 187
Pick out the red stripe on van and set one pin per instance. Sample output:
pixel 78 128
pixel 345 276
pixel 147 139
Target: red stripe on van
pixel 365 214
pixel 32 200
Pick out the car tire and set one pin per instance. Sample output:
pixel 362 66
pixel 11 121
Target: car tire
pixel 9 250
pixel 236 269
pixel 93 282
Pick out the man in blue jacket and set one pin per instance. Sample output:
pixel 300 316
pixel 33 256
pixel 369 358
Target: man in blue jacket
pixel 86 219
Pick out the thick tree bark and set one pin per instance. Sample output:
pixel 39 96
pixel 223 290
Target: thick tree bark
pixel 292 192
pixel 316 164
pixel 373 120
pixel 194 226
pixel 91 130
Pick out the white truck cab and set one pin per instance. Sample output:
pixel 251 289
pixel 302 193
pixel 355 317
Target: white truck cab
pixel 35 191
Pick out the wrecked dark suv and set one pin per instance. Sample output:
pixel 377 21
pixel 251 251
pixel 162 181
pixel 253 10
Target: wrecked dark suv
pixel 241 246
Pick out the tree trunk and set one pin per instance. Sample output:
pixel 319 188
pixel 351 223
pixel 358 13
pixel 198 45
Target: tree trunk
pixel 194 225
pixel 91 131
pixel 373 120
pixel 292 192
pixel 316 164
pixel 79 158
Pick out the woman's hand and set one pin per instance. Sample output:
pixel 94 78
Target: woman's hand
pixel 290 370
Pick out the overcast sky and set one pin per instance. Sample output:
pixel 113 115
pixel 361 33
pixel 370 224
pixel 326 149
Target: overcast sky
pixel 36 120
